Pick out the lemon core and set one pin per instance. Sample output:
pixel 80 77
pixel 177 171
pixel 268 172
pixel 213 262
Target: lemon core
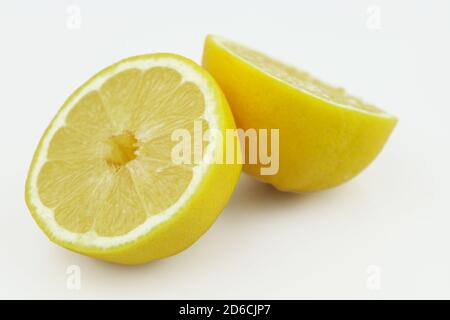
pixel 123 149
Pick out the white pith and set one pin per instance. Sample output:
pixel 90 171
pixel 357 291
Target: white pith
pixel 91 239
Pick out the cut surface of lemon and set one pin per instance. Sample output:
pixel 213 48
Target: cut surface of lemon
pixel 326 136
pixel 103 181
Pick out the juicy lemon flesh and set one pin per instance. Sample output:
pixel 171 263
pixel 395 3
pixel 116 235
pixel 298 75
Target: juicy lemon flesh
pixel 299 79
pixel 109 167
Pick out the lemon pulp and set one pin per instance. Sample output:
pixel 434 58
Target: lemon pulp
pixel 298 78
pixel 109 168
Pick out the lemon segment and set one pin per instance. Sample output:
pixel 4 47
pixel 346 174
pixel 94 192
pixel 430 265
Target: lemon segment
pixel 326 136
pixel 103 182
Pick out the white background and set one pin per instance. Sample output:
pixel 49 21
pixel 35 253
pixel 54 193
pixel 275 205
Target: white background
pixel 385 234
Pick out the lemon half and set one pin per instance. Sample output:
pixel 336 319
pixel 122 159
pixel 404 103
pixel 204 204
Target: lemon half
pixel 326 136
pixel 102 181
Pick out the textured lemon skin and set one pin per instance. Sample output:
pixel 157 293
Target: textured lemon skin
pixel 187 225
pixel 321 145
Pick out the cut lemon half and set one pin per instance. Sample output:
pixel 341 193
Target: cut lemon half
pixel 103 181
pixel 326 136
